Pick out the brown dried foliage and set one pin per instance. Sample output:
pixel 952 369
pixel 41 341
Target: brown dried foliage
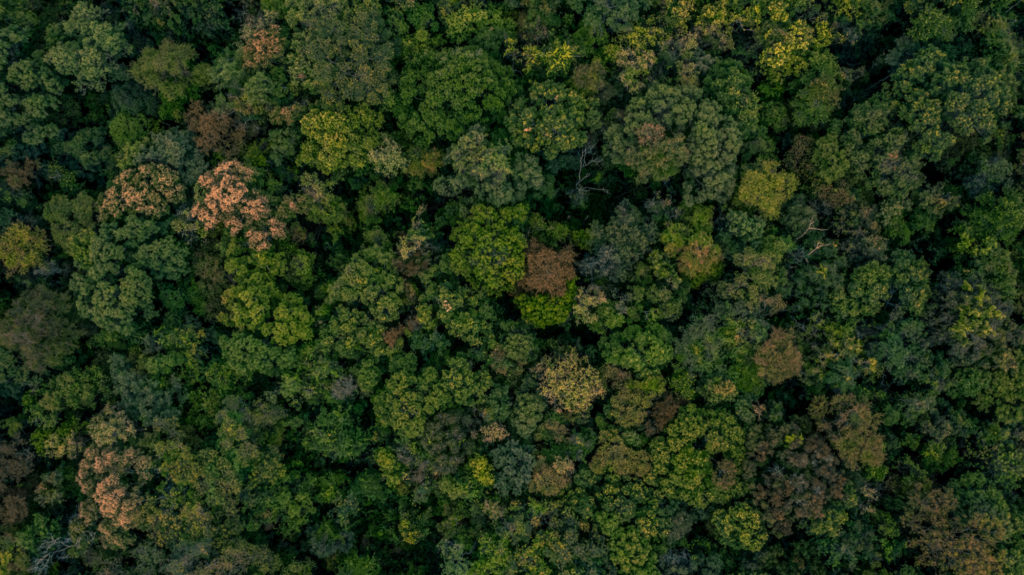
pixel 215 131
pixel 552 478
pixel 851 428
pixel 151 190
pixel 16 463
pixel 18 175
pixel 801 478
pixel 227 201
pixel 662 413
pixel 261 43
pixel 949 539
pixel 778 358
pixel 548 271
pixel 110 480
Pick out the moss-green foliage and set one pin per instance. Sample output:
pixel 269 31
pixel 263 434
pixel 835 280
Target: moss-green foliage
pixel 539 287
pixel 490 248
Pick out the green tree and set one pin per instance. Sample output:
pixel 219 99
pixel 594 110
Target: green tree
pixel 23 248
pixel 166 70
pixel 490 248
pixel 87 48
pixel 339 141
pixel 740 527
pixel 554 120
pixel 442 95
pixel 569 382
pixel 766 188
pixel 341 51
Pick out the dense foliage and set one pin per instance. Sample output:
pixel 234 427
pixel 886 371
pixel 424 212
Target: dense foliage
pixel 521 287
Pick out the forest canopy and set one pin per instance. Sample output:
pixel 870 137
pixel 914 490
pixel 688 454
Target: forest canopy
pixel 522 287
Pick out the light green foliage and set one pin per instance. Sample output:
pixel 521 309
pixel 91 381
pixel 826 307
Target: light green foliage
pixel 22 248
pixel 339 141
pixel 789 46
pixel 259 300
pixel 686 470
pixel 552 121
pixel 766 188
pixel 166 70
pixel 543 310
pixel 87 48
pixel 740 527
pixel 569 382
pixel 867 290
pixel 490 248
pixel 944 101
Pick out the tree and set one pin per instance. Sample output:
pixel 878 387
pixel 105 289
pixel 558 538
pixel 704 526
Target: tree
pixel 340 141
pixel 689 242
pixel 16 464
pixel 341 51
pixel 204 22
pixel 215 131
pixel 42 327
pixel 444 95
pixel 740 527
pixel 851 428
pixel 651 140
pixel 151 190
pixel 698 458
pixel 548 271
pixel 490 248
pixel 553 121
pixel 766 189
pixel 165 70
pixel 261 42
pixel 569 382
pixel 958 531
pixel 225 199
pixel 778 359
pixel 87 48
pixel 23 248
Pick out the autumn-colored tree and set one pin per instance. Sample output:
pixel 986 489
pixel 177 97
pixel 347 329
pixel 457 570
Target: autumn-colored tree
pixel 109 475
pixel 951 536
pixel 19 175
pixel 42 327
pixel 851 428
pixel 802 478
pixel 225 199
pixel 261 43
pixel 151 190
pixel 16 464
pixel 215 130
pixel 548 271
pixel 778 358
pixel 22 248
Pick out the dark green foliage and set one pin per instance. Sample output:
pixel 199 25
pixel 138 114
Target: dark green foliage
pixel 507 288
